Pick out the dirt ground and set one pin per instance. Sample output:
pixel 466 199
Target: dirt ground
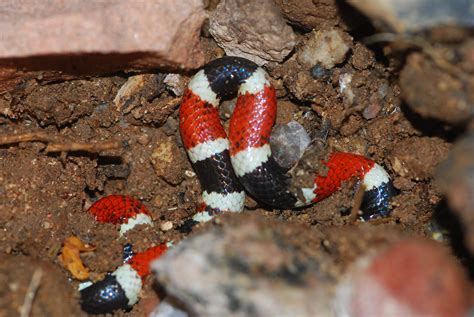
pixel 44 194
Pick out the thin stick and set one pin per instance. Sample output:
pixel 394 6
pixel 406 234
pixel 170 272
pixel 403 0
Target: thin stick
pixel 24 137
pixel 54 146
pixel 30 293
pixel 357 203
pixel 86 147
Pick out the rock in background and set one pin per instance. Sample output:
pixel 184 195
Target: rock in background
pixel 456 179
pixel 66 39
pixel 252 29
pixel 251 266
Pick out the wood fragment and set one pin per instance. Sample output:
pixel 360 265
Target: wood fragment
pixel 25 309
pixel 64 146
pixel 25 137
pixel 93 147
pixel 357 203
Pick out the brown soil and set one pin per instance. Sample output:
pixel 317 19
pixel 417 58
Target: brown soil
pixel 44 196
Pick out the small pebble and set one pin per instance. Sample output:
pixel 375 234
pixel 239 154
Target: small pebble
pixel 189 173
pixel 168 161
pixel 171 126
pixel 176 83
pixel 345 87
pixel 143 139
pixel 166 226
pixel 319 72
pixel 326 48
pixel 288 143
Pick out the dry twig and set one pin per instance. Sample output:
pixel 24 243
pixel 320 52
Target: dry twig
pixel 64 146
pixel 24 137
pixel 357 203
pixel 31 292
pixel 86 147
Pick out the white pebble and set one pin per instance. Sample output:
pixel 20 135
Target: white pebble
pixel 167 225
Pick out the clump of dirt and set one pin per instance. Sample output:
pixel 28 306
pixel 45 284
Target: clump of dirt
pixel 355 106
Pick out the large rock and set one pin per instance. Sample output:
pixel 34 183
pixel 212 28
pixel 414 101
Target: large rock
pixel 416 15
pixel 433 91
pixel 252 29
pixel 455 178
pixel 254 267
pixel 413 277
pixel 87 37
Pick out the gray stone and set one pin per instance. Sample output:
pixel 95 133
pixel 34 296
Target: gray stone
pixel 288 143
pixel 251 268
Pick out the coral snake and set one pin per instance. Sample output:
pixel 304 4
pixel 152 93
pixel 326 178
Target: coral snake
pixel 227 167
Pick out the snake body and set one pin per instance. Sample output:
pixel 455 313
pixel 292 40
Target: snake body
pixel 227 167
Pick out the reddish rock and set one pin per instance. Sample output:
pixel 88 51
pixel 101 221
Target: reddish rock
pixel 411 278
pixel 67 38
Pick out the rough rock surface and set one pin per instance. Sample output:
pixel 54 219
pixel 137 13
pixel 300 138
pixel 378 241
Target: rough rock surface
pixel 167 160
pixel 53 296
pixel 410 278
pixel 310 13
pixel 413 16
pixel 434 92
pixel 288 143
pixel 252 29
pixel 67 38
pixel 166 309
pixel 326 47
pixel 137 90
pixel 250 269
pixel 176 83
pixel 455 177
pixel 248 265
